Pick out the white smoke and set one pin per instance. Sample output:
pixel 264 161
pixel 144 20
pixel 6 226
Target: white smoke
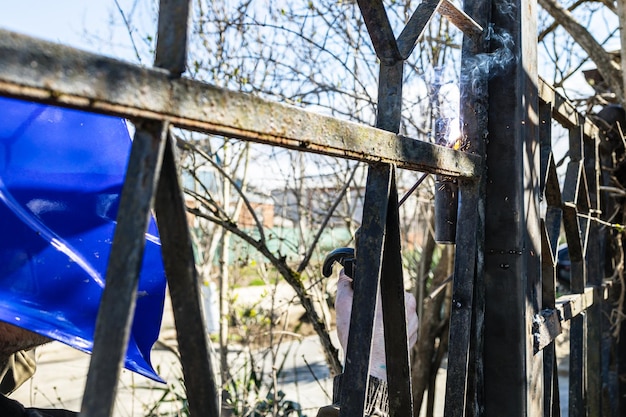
pixel 487 65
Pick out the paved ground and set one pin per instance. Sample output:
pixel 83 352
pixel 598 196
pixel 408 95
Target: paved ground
pixel 60 380
pixel 61 374
pixel 303 376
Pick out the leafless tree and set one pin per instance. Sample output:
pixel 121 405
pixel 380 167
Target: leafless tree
pixel 580 35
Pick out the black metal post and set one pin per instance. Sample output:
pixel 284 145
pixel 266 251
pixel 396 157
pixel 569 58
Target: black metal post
pixel 118 299
pixel 595 274
pixel 550 230
pixel 366 287
pixel 513 375
pixel 178 258
pixel 377 253
pixel 184 286
pixel 394 318
pixel 464 383
pixel 575 228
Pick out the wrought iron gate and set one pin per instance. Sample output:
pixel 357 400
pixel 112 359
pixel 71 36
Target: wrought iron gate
pixel 504 312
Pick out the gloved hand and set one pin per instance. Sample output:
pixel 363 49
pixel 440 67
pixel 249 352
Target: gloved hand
pixel 343 308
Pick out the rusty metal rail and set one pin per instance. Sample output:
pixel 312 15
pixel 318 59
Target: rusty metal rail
pixel 57 74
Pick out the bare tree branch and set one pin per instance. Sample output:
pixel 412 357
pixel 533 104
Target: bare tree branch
pixel 293 278
pixel 329 214
pixel 608 68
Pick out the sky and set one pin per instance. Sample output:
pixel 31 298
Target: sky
pixel 84 24
pixel 92 25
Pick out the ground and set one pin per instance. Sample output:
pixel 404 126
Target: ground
pixel 304 376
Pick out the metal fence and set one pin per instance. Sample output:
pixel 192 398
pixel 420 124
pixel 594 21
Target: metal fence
pixel 504 312
pixel 583 210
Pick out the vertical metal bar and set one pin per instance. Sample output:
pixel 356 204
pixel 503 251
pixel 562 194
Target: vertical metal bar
pixel 534 284
pixel 394 313
pixel 609 346
pixel 556 399
pixel 366 285
pixel 549 353
pixel 548 252
pixel 446 209
pixel 380 31
pixel 595 274
pixel 392 287
pixel 545 139
pixel 178 259
pixel 380 179
pixel 464 384
pixel 370 253
pixel 118 299
pixel 462 300
pixel 390 97
pixel 576 366
pixel 171 48
pixel 620 351
pixel 571 222
pixel 513 375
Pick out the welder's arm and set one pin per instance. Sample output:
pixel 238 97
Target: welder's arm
pixel 377 398
pixel 343 308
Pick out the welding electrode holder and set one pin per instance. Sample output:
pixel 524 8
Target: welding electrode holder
pixel 446 203
pixel 345 256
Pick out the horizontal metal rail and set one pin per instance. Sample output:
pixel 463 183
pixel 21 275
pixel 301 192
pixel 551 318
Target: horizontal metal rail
pixel 47 72
pixel 460 19
pixel 564 111
pixel 571 305
pixel 547 324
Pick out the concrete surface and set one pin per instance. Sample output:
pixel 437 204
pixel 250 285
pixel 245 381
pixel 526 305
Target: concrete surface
pixel 302 375
pixel 61 372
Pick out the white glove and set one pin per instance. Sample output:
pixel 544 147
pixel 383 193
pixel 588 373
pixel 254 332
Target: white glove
pixel 343 308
